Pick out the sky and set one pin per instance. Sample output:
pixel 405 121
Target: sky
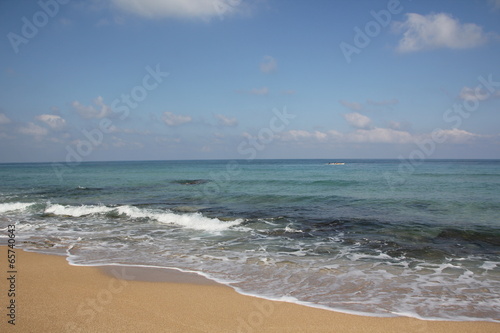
pixel 101 80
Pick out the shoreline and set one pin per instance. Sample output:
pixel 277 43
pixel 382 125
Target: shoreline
pixel 151 273
pixel 52 295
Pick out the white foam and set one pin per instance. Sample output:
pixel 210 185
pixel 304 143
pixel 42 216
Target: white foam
pixel 197 221
pixel 72 262
pixel 369 284
pixel 76 211
pixel 133 212
pixel 11 206
pixel 267 222
pixel 488 265
pixel 26 226
pixel 292 230
pixel 359 256
pixel 190 220
pixel 291 299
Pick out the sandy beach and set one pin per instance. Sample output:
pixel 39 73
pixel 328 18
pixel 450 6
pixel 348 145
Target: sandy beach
pixel 53 296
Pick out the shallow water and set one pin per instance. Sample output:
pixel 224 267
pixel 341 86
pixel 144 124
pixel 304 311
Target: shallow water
pixel 366 237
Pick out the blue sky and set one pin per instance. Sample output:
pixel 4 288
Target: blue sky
pixel 240 79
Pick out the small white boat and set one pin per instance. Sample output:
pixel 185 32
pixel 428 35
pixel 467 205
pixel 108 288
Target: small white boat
pixel 336 163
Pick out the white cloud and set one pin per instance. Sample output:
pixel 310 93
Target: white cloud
pixel 297 135
pixel 163 140
pixel 4 119
pixel 358 120
pixel 379 135
pixel 374 135
pixel 53 121
pixel 470 94
pixel 259 91
pixel 268 65
pixel 437 31
pixel 246 135
pixel 206 149
pixel 175 120
pixel 384 102
pixel 102 111
pixel 354 106
pixel 456 135
pixel 120 143
pixel 495 4
pixel 255 91
pixel 225 121
pixel 399 125
pixel 33 130
pixel 115 129
pixel 204 9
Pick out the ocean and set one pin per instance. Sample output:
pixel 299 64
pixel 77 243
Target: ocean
pixel 370 237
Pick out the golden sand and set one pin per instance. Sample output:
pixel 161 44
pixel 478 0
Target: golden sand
pixel 52 296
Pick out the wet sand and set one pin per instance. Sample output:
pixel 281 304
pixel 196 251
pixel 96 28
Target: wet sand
pixel 53 296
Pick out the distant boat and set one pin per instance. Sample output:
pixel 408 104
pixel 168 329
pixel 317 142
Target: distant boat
pixel 336 163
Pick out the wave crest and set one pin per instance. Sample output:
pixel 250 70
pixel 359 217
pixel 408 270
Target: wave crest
pixel 190 220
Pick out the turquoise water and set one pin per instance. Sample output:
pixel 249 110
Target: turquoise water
pixel 370 236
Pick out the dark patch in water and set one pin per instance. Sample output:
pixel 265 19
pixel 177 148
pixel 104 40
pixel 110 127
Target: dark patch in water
pixel 190 181
pixel 426 253
pixel 351 226
pixel 417 241
pixel 83 188
pixel 492 237
pixel 335 183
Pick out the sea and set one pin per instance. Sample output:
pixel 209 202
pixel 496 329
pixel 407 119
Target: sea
pixel 371 237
